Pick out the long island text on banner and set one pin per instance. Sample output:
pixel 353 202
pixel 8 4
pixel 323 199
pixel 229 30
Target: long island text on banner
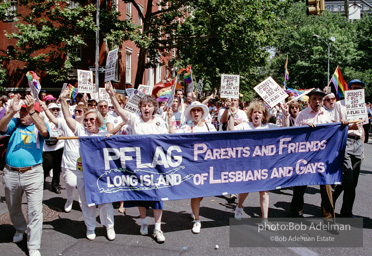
pixel 180 166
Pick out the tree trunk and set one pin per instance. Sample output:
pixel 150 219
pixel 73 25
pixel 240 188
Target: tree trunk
pixel 140 68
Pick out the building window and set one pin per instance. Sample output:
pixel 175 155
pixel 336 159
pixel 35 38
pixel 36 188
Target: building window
pixel 129 11
pixel 150 76
pixel 116 3
pixel 11 13
pixel 128 70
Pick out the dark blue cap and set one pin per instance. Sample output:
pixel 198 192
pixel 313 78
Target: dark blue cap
pixel 356 81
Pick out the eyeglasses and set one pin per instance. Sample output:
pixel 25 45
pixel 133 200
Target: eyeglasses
pixel 102 106
pixel 54 109
pixel 89 119
pixel 333 99
pixel 294 107
pixel 79 111
pixel 196 110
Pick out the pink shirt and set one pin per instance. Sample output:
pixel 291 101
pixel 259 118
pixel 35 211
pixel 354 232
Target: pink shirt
pixel 309 116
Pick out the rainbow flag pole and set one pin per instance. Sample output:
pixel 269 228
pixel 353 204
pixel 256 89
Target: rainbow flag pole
pixel 286 72
pixel 339 83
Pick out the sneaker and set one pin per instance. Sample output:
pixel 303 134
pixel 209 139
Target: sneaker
pixel 18 236
pixel 196 227
pixel 158 234
pixel 238 213
pixel 144 230
pixel 111 234
pixel 91 235
pixel 34 253
pixel 68 206
pixel 233 196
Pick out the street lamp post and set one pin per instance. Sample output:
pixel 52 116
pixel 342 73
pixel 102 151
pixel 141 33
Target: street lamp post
pixel 331 39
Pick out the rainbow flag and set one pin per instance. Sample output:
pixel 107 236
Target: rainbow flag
pixel 294 92
pixel 187 77
pixel 72 91
pixel 339 83
pixel 286 72
pixel 34 84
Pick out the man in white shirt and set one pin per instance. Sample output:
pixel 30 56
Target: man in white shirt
pixel 352 160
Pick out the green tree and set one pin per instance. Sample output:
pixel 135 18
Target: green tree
pixel 308 56
pixel 57 28
pixel 230 37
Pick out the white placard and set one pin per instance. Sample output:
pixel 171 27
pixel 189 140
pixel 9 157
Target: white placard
pixel 102 95
pixel 271 92
pixel 199 89
pixel 229 86
pixel 110 68
pixel 132 104
pixel 146 89
pixel 355 105
pixel 85 81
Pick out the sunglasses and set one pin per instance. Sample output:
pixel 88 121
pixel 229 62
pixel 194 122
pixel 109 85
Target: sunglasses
pixel 333 99
pixel 54 109
pixel 196 110
pixel 79 111
pixel 294 107
pixel 89 119
pixel 102 106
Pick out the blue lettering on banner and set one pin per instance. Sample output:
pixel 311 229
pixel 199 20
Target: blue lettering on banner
pixel 181 166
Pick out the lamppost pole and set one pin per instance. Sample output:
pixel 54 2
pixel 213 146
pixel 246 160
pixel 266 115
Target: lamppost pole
pixel 331 39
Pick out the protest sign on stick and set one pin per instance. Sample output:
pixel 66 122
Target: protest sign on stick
pixel 271 92
pixel 85 81
pixel 199 89
pixel 146 89
pixel 132 104
pixel 229 86
pixel 103 95
pixel 355 105
pixel 110 68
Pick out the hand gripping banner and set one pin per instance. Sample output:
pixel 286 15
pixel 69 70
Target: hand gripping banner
pixel 181 166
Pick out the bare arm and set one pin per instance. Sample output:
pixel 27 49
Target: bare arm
pixel 49 114
pixel 116 129
pixel 71 123
pixel 225 114
pixel 212 96
pixel 123 113
pixel 285 111
pixel 14 107
pixel 39 123
pixel 170 126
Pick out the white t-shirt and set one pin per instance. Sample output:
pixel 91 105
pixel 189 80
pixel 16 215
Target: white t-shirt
pixel 250 126
pixel 240 115
pixel 178 119
pixel 191 128
pixel 54 131
pixel 71 151
pixel 157 126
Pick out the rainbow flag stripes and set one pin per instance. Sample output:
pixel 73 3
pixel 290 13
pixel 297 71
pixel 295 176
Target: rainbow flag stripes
pixel 339 83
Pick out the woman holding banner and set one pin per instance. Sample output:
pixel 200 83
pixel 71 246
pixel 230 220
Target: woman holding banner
pixel 197 112
pixel 258 117
pixel 70 152
pixel 93 120
pixel 294 109
pixel 146 123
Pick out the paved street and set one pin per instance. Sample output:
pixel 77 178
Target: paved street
pixel 64 233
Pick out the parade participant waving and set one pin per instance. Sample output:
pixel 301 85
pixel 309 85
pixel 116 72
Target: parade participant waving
pixel 258 117
pixel 196 112
pixel 146 123
pixel 23 172
pixel 93 120
pixel 231 110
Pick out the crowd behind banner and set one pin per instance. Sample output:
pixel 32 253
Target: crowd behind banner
pixel 145 165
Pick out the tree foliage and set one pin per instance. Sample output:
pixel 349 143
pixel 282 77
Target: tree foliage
pixel 58 28
pixel 308 56
pixel 230 37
